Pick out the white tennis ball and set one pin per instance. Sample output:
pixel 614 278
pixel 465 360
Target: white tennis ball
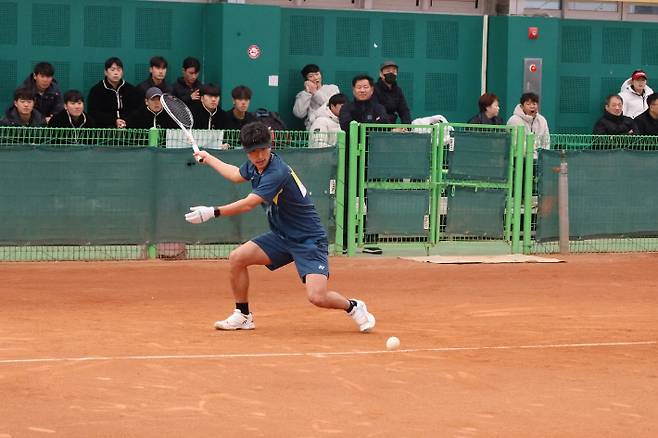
pixel 392 343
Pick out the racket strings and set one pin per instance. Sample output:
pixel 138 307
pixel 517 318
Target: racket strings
pixel 177 109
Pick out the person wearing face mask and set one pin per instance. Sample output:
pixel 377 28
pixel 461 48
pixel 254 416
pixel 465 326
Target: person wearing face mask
pixel 613 121
pixel 526 113
pixel 634 92
pixel 390 95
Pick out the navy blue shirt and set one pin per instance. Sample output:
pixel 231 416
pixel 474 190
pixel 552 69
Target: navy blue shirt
pixel 290 211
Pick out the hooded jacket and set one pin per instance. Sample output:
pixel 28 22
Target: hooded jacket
pixel 49 102
pixel 13 119
pixel 107 104
pixel 634 104
pixel 307 104
pixel 536 125
pixel 324 128
pixel 645 124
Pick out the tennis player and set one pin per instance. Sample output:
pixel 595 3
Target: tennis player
pixel 296 233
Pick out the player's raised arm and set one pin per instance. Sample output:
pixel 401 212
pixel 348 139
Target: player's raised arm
pixel 228 171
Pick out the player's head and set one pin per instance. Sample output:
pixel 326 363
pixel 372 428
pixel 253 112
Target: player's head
pixel 256 140
pixel 74 103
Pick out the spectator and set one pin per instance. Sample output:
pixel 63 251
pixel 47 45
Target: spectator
pixel 73 115
pixel 187 86
pixel 158 72
pixel 489 110
pixel 313 96
pixel 613 121
pixel 526 113
pixel 326 123
pixel 22 112
pixel 634 92
pixel 206 111
pixel 151 115
pixel 364 109
pixel 390 95
pixel 112 99
pixel 647 122
pixel 239 115
pixel 47 95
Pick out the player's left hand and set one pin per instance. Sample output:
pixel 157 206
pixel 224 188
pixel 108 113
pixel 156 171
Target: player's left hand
pixel 200 214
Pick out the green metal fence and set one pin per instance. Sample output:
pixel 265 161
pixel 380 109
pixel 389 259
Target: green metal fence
pixel 612 196
pixel 63 199
pixel 416 186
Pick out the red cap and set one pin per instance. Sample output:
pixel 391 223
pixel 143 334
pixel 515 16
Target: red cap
pixel 637 74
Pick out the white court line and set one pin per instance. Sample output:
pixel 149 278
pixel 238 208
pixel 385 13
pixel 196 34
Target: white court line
pixel 324 354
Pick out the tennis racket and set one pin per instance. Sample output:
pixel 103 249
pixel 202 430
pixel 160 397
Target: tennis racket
pixel 182 115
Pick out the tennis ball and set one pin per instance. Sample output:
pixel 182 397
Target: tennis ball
pixel 392 343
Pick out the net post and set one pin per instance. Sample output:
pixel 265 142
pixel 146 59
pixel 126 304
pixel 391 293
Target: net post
pixel 435 192
pixel 527 192
pixel 351 188
pixel 518 179
pixel 340 193
pixel 154 140
pixel 563 203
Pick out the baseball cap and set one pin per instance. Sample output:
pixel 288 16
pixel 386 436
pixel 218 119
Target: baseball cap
pixel 253 147
pixel 153 92
pixel 388 63
pixel 637 74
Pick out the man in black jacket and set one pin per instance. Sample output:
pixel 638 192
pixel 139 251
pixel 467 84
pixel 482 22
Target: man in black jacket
pixel 390 95
pixel 364 109
pixel 112 99
pixel 47 95
pixel 22 112
pixel 206 112
pixel 157 76
pixel 73 115
pixel 613 121
pixel 647 122
pixel 187 87
pixel 151 115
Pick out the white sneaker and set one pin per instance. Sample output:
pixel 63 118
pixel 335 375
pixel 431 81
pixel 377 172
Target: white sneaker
pixel 237 321
pixel 364 319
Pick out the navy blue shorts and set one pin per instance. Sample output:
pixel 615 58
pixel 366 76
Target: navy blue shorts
pixel 310 256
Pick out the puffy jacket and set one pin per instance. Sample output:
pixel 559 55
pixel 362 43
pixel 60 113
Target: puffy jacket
pixel 50 101
pixel 324 128
pixel 634 104
pixel 536 125
pixel 612 124
pixel 13 119
pixel 106 104
pixel 646 125
pixel 307 104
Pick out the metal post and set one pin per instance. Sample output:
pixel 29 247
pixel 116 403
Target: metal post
pixel 563 203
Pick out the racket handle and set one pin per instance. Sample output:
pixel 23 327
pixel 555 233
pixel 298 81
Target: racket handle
pixel 195 148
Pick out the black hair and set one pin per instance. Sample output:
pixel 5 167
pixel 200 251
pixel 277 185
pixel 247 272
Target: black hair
pixel 158 61
pixel 525 97
pixel 361 77
pixel 309 68
pixel 337 99
pixel 652 98
pixel 44 69
pixel 241 92
pixel 191 62
pixel 73 96
pixel 23 93
pixel 255 133
pixel 113 60
pixel 210 90
pixel 612 96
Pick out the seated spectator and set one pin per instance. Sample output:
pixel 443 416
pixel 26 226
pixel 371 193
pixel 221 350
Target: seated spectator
pixel 326 124
pixel 390 95
pixel 112 99
pixel 73 115
pixel 206 111
pixel 187 86
pixel 47 95
pixel 489 110
pixel 239 115
pixel 313 96
pixel 22 112
pixel 526 113
pixel 151 115
pixel 647 122
pixel 613 121
pixel 158 72
pixel 364 109
pixel 634 92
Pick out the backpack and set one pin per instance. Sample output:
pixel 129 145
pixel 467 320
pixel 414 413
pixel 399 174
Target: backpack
pixel 271 119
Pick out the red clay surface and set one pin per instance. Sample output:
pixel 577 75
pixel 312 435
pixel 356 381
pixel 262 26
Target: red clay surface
pixel 560 377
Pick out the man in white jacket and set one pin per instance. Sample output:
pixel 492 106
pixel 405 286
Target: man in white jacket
pixel 634 91
pixel 527 114
pixel 313 96
pixel 326 124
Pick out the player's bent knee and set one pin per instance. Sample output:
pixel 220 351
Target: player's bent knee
pixel 317 297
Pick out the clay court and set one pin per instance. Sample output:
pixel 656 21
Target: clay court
pixel 127 349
